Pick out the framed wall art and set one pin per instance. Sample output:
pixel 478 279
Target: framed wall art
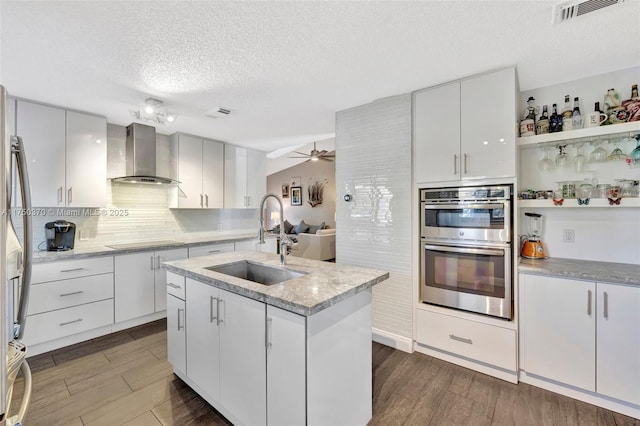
pixel 296 195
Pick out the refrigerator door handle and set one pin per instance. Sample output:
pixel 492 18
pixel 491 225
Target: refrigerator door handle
pixel 17 148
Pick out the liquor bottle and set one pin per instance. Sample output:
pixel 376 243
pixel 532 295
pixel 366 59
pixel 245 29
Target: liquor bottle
pixel 542 126
pixel 567 114
pixel 634 91
pixel 632 106
pixel 555 121
pixel 577 117
pixel 528 123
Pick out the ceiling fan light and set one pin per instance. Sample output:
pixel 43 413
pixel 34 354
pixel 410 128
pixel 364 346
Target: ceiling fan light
pixel 314 158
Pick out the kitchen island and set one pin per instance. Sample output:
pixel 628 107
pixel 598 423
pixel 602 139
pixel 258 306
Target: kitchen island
pixel 297 351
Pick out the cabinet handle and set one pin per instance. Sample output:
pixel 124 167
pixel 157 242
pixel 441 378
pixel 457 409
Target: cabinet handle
pixel 605 307
pixel 158 261
pixel 172 285
pixel 213 251
pixel 220 320
pixel 69 195
pixel 465 163
pixel 180 309
pixel 59 194
pixel 460 339
pixel 72 293
pixel 211 317
pixel 70 322
pixel 153 266
pixel 72 270
pixel 201 202
pixel 455 164
pixel 589 302
pixel 206 200
pixel 248 201
pixel 268 343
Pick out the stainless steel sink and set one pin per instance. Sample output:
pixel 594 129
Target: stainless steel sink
pixel 257 272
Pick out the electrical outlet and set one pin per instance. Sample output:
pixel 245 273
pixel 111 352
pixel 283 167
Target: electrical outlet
pixel 569 235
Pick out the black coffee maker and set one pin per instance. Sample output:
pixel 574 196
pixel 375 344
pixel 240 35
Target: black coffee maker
pixel 60 235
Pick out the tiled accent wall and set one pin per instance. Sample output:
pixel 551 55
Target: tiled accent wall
pixel 373 165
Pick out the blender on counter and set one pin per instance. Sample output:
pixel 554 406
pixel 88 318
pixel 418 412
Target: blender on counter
pixel 532 247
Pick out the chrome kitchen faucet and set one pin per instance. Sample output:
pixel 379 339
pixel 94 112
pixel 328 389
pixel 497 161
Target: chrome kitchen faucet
pixel 285 242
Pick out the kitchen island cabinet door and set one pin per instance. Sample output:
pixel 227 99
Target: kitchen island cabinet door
pixel 487 125
pixel 559 329
pixel 436 133
pixel 42 129
pixel 286 367
pixel 86 165
pixel 203 337
pixel 190 193
pixel 161 275
pixel 243 370
pixel 134 285
pixel 618 347
pixel 213 174
pixel 176 334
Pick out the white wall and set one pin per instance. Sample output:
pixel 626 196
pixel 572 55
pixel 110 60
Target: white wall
pixel 309 172
pixel 373 164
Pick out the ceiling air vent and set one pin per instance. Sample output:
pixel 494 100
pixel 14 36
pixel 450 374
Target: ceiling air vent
pixel 571 9
pixel 217 112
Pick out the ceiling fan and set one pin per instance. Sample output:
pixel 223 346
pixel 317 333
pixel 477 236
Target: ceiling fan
pixel 316 155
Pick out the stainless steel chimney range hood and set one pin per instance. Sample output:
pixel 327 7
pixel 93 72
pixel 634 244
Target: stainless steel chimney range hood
pixel 141 156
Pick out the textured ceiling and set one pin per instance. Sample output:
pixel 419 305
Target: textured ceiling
pixel 285 68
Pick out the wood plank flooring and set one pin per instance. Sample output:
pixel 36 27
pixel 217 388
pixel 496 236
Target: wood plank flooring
pixel 125 379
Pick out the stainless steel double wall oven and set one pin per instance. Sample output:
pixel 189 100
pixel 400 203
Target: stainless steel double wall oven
pixel 466 236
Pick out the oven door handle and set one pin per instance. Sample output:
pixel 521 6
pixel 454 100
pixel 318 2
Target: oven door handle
pixel 469 250
pixel 466 206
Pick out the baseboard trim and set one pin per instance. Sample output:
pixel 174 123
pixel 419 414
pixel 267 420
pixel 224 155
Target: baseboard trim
pixel 401 343
pixel 589 397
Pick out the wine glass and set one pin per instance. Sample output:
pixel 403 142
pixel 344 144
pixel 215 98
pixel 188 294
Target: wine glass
pixel 546 163
pixel 562 158
pixel 598 153
pixel 579 161
pixel 617 153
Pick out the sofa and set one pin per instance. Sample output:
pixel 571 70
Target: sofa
pixel 318 246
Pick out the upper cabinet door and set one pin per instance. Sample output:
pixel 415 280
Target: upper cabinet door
pixel 488 125
pixel 235 176
pixel 190 193
pixel 436 133
pixel 213 174
pixel 86 165
pixel 256 177
pixel 42 129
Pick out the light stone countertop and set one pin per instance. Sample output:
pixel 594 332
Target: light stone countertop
pixel 586 270
pixel 325 285
pixel 87 250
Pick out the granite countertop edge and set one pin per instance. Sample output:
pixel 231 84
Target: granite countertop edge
pixel 585 270
pixel 103 250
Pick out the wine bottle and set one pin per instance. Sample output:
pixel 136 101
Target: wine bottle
pixel 576 116
pixel 634 91
pixel 542 126
pixel 567 114
pixel 555 121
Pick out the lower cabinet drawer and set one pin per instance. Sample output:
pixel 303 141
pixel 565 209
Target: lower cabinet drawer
pixel 64 294
pixel 54 271
pixel 175 285
pixel 208 249
pixel 65 322
pixel 481 342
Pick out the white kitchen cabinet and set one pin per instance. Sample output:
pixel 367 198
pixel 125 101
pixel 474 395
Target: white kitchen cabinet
pixel 208 249
pixel 160 276
pixel 245 181
pixel 618 342
pixel 86 160
pixel 200 171
pixel 140 282
pixel 66 153
pixel 176 333
pixel 42 129
pixel 466 129
pixel 203 337
pixel 286 369
pixel 559 330
pixel 583 334
pixel 243 370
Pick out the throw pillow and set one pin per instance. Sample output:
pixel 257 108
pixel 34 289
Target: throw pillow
pixel 287 227
pixel 314 228
pixel 301 227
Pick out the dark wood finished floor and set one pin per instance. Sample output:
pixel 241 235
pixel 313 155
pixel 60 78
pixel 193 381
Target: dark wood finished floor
pixel 125 379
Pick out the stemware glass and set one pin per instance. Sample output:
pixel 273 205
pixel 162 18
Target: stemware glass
pixel 546 163
pixel 579 161
pixel 598 153
pixel 617 154
pixel 562 158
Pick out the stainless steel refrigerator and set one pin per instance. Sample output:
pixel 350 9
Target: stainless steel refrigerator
pixel 15 269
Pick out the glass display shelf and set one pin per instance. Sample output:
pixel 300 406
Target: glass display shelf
pixel 573 203
pixel 592 134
